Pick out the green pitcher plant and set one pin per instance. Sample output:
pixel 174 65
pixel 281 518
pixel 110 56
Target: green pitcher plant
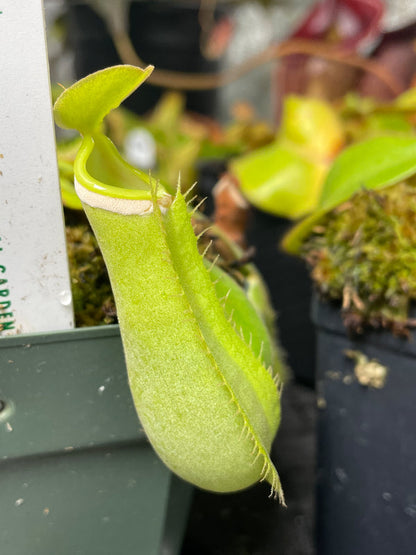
pixel 202 369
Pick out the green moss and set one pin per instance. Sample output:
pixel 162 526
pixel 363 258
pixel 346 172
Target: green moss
pixel 91 291
pixel 364 254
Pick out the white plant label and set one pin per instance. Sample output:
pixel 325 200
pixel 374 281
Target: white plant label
pixel 35 292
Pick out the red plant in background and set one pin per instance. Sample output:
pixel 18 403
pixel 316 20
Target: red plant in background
pixel 348 26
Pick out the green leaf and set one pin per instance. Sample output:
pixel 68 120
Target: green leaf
pixel 84 105
pixel 68 194
pixel 292 241
pixel 279 180
pixel 285 178
pixel 371 164
pixel 383 123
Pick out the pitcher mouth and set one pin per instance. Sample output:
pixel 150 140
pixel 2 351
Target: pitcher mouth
pixel 103 179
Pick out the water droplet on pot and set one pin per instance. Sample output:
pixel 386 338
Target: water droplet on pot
pixel 411 511
pixel 341 475
pixel 19 502
pixel 101 389
pixel 65 297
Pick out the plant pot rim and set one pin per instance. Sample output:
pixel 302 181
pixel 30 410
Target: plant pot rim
pixel 55 336
pixel 326 315
pixel 71 385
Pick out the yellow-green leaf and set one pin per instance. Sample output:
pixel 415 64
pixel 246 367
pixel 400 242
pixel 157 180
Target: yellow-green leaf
pixel 312 124
pixel 372 164
pixel 279 180
pixel 83 106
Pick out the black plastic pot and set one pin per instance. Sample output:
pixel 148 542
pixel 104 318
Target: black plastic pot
pixel 209 171
pixel 164 34
pixel 366 492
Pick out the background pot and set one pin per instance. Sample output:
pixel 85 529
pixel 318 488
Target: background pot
pixel 366 443
pixel 77 474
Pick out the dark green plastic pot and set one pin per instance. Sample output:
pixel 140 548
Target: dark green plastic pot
pixel 77 474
